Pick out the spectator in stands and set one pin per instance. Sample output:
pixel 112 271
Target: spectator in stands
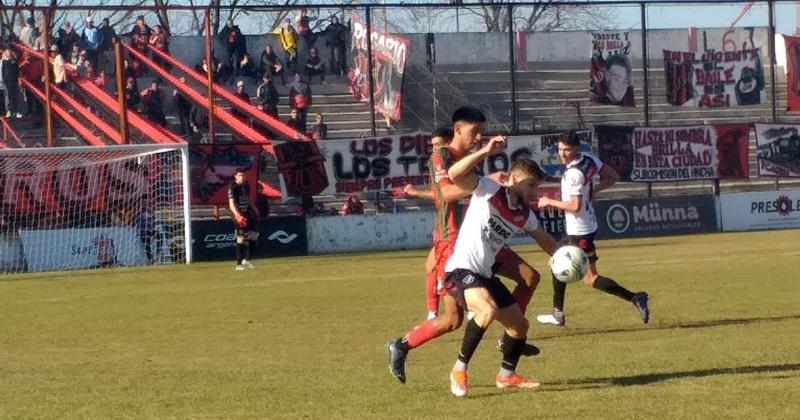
pixel 31 71
pixel 9 78
pixel 159 40
pixel 82 64
pixel 300 97
pixel 92 38
pixel 184 108
pixel 132 97
pixel 199 123
pixel 337 42
pixel 28 33
pixel 74 56
pixel 272 65
pixel 295 122
pixel 243 95
pixel 106 50
pixel 67 39
pixel 202 67
pixel 353 205
pixel 153 101
pixel 127 69
pixel 314 66
pixel 140 39
pixel 267 96
pixel 38 44
pixel 288 37
pixel 223 72
pixel 235 45
pixel 303 24
pixel 319 131
pixel 99 78
pixel 59 69
pixel 247 68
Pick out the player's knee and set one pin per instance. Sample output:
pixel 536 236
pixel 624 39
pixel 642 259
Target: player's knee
pixel 519 328
pixel 449 322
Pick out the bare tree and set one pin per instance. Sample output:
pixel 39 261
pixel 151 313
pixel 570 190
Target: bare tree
pixel 541 16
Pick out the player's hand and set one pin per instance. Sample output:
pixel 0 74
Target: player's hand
pixel 496 144
pixel 240 219
pixel 500 177
pixel 543 202
pixel 409 190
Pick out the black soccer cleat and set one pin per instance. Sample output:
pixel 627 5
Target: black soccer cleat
pixel 398 350
pixel 640 301
pixel 527 351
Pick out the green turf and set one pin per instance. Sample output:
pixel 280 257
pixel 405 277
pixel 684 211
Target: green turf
pixel 304 337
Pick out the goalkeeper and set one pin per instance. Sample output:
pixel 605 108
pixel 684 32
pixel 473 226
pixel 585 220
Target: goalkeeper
pixel 245 218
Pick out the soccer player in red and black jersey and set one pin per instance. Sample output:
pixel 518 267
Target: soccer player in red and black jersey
pixel 245 217
pixel 467 128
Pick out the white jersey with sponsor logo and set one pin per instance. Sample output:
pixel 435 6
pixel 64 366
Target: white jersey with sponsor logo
pixel 578 179
pixel 490 221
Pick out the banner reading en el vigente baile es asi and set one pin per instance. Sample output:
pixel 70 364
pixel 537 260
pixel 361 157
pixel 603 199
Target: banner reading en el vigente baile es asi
pixel 386 163
pixel 675 153
pixel 610 69
pixel 778 150
pixel 389 53
pixel 713 79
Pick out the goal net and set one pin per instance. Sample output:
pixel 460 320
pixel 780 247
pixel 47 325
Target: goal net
pixel 89 207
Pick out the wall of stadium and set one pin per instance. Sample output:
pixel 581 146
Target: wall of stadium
pixel 380 232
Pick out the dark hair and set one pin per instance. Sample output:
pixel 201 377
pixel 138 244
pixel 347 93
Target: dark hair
pixel 618 60
pixel 570 139
pixel 528 167
pixel 443 132
pixel 468 114
pixel 240 171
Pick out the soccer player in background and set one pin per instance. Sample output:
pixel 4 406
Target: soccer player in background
pixel 449 200
pixel 245 217
pixel 584 175
pixel 495 214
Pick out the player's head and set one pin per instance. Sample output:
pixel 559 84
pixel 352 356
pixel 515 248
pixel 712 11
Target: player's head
pixel 524 176
pixel 569 147
pixel 468 124
pixel 441 136
pixel 238 176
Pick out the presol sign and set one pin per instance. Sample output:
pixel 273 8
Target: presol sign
pixel 655 216
pixel 760 210
pixel 71 249
pixel 213 240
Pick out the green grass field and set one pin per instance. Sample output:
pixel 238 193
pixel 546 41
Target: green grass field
pixel 304 338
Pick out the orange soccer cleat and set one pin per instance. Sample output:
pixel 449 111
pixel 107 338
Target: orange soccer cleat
pixel 516 381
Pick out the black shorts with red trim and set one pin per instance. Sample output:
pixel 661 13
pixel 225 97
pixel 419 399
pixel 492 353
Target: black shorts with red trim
pixel 248 226
pixel 586 243
pixel 459 280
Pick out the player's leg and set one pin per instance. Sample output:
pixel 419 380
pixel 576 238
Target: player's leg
pixel 510 265
pixel 239 247
pixel 514 340
pixel 609 285
pixel 480 302
pixel 250 248
pixel 431 285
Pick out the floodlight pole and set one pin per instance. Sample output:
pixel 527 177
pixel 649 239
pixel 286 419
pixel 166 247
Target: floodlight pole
pixel 120 78
pixel 48 113
pixel 771 46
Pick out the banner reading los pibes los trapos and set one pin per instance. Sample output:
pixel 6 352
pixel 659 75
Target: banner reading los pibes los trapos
pixel 386 163
pixel 675 153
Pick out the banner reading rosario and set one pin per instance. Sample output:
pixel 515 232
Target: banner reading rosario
pixel 384 163
pixel 675 153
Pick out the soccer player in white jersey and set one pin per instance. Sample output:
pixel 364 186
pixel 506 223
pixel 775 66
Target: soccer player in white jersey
pixel 495 214
pixel 584 175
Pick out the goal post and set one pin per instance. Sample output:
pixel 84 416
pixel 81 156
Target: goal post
pixel 89 207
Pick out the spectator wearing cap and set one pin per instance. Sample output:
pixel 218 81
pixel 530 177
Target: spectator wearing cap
pixel 235 45
pixel 67 39
pixel 92 39
pixel 319 131
pixel 59 67
pixel 28 34
pixel 240 93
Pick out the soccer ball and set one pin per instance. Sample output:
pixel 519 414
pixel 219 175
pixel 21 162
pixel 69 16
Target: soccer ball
pixel 569 264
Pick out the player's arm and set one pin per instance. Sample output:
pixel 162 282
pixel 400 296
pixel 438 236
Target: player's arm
pixel 572 180
pixel 572 205
pixel 608 177
pixel 462 172
pixel 232 207
pixel 412 191
pixel 544 239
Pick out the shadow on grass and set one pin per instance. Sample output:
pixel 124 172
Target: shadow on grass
pixel 565 332
pixel 646 379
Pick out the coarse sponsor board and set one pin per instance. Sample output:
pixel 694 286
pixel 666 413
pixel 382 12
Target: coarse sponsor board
pixel 70 249
pixel 214 240
pixel 760 210
pixel 671 215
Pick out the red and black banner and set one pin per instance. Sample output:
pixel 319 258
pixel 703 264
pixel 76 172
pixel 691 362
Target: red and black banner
pixel 675 153
pixel 213 166
pixel 792 72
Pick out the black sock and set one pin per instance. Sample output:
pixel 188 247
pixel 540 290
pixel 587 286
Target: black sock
pixel 559 290
pixel 611 287
pixel 246 251
pixel 512 350
pixel 251 248
pixel 239 247
pixel 472 337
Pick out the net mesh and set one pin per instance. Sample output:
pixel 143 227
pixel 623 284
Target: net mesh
pixel 91 208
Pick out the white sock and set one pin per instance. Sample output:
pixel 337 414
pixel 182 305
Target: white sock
pixel 460 365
